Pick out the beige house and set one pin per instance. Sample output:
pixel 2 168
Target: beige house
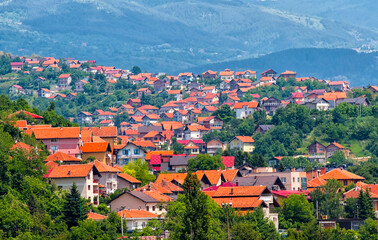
pixel 100 150
pixel 127 181
pixel 147 200
pixel 108 176
pixel 243 143
pixel 291 180
pixel 214 145
pixel 84 175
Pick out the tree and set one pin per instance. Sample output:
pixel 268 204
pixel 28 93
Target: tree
pixel 75 208
pixel 192 215
pixel 244 231
pixel 350 208
pixel 368 231
pixel 225 113
pixel 365 205
pixel 205 162
pixel 295 210
pixel 139 169
pixel 338 158
pixel 136 70
pixel 119 118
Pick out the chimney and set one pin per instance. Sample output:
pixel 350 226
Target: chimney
pixel 293 169
pixel 322 171
pixel 69 172
pixel 232 191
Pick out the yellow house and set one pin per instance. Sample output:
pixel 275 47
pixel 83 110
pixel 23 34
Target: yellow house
pixel 243 143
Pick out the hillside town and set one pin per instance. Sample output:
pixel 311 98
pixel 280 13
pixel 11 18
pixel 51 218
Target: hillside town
pixel 211 125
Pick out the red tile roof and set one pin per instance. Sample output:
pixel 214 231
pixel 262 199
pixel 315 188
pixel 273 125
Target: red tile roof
pixel 102 167
pixel 128 178
pixel 71 171
pixel 96 216
pixel 60 156
pixel 65 132
pixel 135 214
pixel 340 174
pixel 92 147
pixel 245 139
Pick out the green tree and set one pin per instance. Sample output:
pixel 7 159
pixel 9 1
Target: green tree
pixel 368 231
pixel 338 158
pixel 191 216
pixel 350 208
pixel 225 113
pixel 136 70
pixel 365 205
pixel 205 162
pixel 119 118
pixel 139 169
pixel 244 231
pixel 75 208
pixel 295 210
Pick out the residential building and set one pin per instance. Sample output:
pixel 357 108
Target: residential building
pixel 291 180
pixel 373 191
pixel 317 152
pixel 271 104
pixel 215 146
pixel 16 89
pixel 16 66
pixel 44 92
pixel 209 75
pixel 66 139
pixel 137 219
pixel 243 143
pixel 227 75
pixel 101 151
pixel 124 180
pixel 333 147
pixel 85 176
pixel 269 73
pixel 316 103
pixel 263 128
pixel 62 158
pixel 84 118
pixel 288 74
pixel 129 152
pixel 245 109
pixel 108 177
pixel 64 80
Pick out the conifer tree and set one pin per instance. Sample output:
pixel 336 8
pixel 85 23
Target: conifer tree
pixel 75 208
pixel 365 205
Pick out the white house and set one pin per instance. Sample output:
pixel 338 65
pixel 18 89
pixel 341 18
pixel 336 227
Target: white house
pixel 244 109
pixel 129 152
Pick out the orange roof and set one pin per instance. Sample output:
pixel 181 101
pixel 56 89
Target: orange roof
pixel 174 92
pixel 96 216
pixel 169 177
pixel 316 182
pixel 149 154
pixel 151 134
pixel 240 105
pixel 239 191
pixel 60 156
pixel 144 143
pixel 65 132
pixel 21 124
pixel 244 202
pixel 245 139
pixel 21 145
pixel 264 79
pixel 128 178
pixel 134 213
pixel 226 72
pixel 337 145
pixel 147 107
pixel 155 187
pixel 102 167
pixel 340 174
pixel 92 147
pixel 212 175
pixel 71 171
pixel 288 72
pixel 229 175
pixel 333 95
pixel 158 196
pixel 336 83
pixel 64 75
pixel 104 131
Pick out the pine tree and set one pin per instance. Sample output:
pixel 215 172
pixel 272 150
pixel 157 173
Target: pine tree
pixel 365 205
pixel 75 208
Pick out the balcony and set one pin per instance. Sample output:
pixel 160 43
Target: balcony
pixel 95 180
pixel 95 191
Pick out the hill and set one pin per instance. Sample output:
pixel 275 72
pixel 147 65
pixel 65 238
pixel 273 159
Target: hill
pixel 358 68
pixel 172 34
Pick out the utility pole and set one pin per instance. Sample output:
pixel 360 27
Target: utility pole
pixel 122 208
pixel 226 206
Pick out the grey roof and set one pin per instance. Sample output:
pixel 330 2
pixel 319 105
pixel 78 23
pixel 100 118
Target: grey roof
pixel 180 160
pixel 146 129
pixel 267 181
pixel 142 196
pixel 164 167
pixel 313 100
pixel 266 127
pixel 357 101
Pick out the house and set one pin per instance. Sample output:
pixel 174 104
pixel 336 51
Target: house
pixel 209 89
pixel 147 200
pixel 227 75
pixel 84 118
pixel 150 119
pixel 108 177
pixel 209 75
pixel 263 128
pixel 160 85
pixel 215 146
pixel 64 80
pixel 288 74
pixel 149 109
pixel 107 123
pixel 374 89
pixel 247 198
pixel 268 80
pixel 85 176
pixel 105 116
pixel 176 94
pixel 333 147
pixel 101 151
pixel 243 143
pixel 245 109
pixel 179 162
pixel 71 95
pixel 194 146
pixel 79 85
pixel 155 137
pixel 296 97
pixel 142 91
pixel 269 73
pixel 360 101
pixel 134 102
pixel 274 162
pixel 291 180
pixel 177 84
pixel 137 219
pixel 65 139
pixel 128 152
pixel 180 116
pixel 16 66
pixel 249 74
pixel 343 176
pixel 229 163
pixel 316 103
pixel 339 86
pixel 44 92
pixel 271 182
pixel 61 157
pixel 186 78
pixel 373 191
pixel 108 134
pixel 213 122
pixel 125 108
pixel 317 152
pixel 271 104
pixel 16 89
pixel 127 181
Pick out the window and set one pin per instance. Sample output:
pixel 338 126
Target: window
pixel 89 176
pixel 345 182
pixel 125 152
pixel 147 208
pixel 143 224
pixel 293 179
pixel 283 180
pixel 297 179
pixel 54 148
pixel 136 151
pixel 125 161
pixel 136 224
pixel 89 187
pixel 54 140
pixel 153 208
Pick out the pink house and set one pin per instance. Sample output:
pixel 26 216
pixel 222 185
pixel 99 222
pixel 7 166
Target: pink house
pixel 66 140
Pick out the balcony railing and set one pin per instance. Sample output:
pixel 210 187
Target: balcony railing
pixel 95 181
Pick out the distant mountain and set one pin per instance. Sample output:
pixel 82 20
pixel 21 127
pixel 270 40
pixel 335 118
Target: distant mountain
pixel 360 69
pixel 169 35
